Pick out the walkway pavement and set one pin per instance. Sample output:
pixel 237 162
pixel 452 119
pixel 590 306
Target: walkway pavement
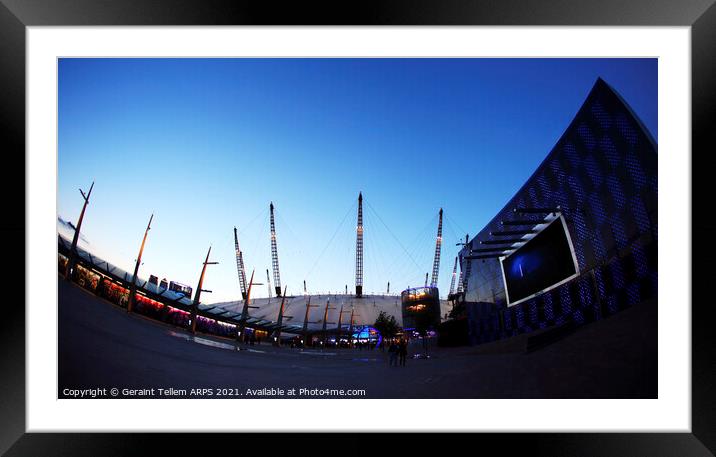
pixel 102 347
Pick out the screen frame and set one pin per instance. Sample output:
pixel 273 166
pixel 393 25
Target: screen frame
pixel 559 217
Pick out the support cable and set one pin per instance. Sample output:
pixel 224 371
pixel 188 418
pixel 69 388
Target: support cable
pixel 330 241
pixel 392 234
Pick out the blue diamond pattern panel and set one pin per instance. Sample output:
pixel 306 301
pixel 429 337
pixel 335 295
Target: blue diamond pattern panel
pixel 602 174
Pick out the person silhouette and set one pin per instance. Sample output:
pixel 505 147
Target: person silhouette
pixel 393 351
pixel 403 352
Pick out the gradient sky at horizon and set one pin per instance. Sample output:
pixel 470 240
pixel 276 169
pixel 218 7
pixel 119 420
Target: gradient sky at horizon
pixel 206 144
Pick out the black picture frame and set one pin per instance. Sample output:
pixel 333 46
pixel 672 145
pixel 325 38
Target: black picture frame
pixel 16 15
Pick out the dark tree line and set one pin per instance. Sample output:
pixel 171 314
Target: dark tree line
pixel 386 325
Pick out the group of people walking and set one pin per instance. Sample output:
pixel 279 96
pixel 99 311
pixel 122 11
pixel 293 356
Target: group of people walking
pixel 398 352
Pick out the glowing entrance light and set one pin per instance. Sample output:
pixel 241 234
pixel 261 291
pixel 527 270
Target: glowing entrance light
pixel 367 334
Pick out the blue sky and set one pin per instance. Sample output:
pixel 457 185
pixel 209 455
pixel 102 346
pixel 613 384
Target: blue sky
pixel 206 144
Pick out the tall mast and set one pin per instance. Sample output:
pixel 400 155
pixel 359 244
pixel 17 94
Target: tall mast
pixel 240 265
pixel 133 286
pixel 305 320
pixel 325 318
pixel 359 248
pixel 463 278
pixel 438 245
pixel 340 325
pixel 279 321
pixel 245 310
pixel 76 237
pixel 268 284
pixel 199 290
pixel 274 256
pixel 454 275
pixel 350 329
pixel 340 322
pixel 466 276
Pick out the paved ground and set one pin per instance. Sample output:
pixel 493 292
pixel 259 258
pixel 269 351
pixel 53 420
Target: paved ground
pixel 100 346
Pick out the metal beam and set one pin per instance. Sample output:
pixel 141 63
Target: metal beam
pixel 268 284
pixel 274 255
pixel 359 248
pixel 199 290
pixel 279 321
pixel 339 329
pixel 460 279
pixel 240 265
pixel 133 285
pixel 72 258
pixel 350 329
pixel 485 256
pixel 454 275
pixel 325 319
pixel 521 222
pixel 535 210
pixel 509 241
pixel 438 245
pixel 305 320
pixel 513 232
pixel 245 310
pixel 492 250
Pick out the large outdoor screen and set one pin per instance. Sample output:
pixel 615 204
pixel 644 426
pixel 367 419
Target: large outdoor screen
pixel 544 262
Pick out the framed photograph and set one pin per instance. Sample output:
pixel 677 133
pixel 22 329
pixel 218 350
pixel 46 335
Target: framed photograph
pixel 411 218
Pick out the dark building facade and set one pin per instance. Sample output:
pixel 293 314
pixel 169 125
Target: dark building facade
pixel 602 177
pixel 420 308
